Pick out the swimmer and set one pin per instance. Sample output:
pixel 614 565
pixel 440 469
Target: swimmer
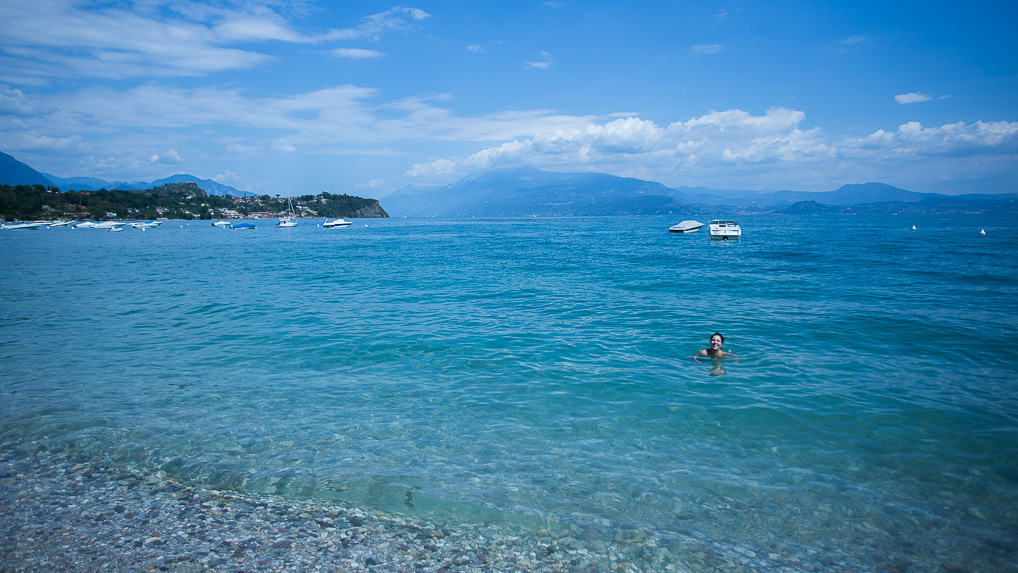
pixel 716 340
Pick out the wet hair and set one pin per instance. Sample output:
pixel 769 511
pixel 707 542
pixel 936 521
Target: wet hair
pixel 718 334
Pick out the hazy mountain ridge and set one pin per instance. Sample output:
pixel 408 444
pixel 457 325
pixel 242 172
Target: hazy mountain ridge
pixel 529 191
pixel 14 172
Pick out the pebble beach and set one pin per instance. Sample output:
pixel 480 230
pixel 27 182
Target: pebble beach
pixel 59 515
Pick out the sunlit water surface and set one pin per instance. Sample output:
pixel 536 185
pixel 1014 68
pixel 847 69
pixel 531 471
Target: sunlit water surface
pixel 537 374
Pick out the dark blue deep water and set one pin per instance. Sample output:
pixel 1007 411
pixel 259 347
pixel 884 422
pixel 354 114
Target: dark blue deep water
pixel 537 374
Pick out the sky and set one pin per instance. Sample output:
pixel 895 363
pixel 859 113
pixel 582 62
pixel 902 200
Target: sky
pixel 365 98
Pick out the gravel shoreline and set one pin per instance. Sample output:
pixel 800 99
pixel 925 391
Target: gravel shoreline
pixel 58 515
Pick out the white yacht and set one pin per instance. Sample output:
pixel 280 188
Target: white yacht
pixel 35 225
pixel 108 225
pixel 222 224
pixel 687 226
pixel 724 229
pixel 336 223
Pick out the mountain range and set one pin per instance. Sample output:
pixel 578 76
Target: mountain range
pixel 14 172
pixel 528 191
pixel 532 192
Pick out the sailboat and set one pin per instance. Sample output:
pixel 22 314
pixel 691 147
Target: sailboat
pixel 290 219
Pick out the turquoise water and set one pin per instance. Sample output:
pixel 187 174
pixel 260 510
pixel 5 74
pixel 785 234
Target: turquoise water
pixel 537 374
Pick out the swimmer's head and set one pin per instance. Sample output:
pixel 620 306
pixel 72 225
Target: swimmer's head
pixel 716 340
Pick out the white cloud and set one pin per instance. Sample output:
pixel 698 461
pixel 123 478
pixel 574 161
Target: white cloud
pixel 732 145
pixel 394 19
pixel 168 157
pixel 707 49
pixel 953 138
pixel 543 64
pixel 911 97
pixel 357 54
pixel 66 39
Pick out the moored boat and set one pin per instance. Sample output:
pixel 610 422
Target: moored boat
pixel 243 226
pixel 687 226
pixel 724 229
pixel 290 220
pixel 336 223
pixel 31 225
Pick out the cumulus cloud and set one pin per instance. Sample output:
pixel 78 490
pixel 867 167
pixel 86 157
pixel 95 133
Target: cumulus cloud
pixel 168 157
pixel 727 144
pixel 911 97
pixel 913 139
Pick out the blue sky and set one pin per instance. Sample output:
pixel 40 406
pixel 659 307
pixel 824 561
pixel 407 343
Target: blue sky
pixel 367 97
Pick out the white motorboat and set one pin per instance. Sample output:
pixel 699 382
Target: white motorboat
pixel 84 225
pixel 145 224
pixel 60 223
pixel 223 224
pixel 336 223
pixel 108 225
pixel 724 230
pixel 36 225
pixel 687 226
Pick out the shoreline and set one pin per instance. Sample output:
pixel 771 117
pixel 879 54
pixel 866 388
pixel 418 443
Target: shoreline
pixel 56 514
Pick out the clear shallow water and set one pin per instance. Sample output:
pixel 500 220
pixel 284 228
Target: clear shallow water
pixel 537 373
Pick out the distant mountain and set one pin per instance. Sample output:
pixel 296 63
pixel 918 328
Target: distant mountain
pixel 852 194
pixel 208 185
pixel 95 184
pixel 14 172
pixel 528 191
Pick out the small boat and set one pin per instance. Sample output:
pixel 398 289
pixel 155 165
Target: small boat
pixel 243 226
pixel 336 223
pixel 145 224
pixel 724 230
pixel 60 224
pixel 290 219
pixel 108 225
pixel 84 225
pixel 687 226
pixel 221 224
pixel 14 226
